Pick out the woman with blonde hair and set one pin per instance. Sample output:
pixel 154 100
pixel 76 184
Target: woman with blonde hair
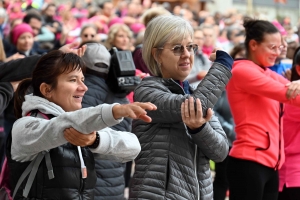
pixel 119 36
pixel 184 134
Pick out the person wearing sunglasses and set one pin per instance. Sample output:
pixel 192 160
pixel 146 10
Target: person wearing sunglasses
pixel 89 33
pixel 184 134
pixel 256 96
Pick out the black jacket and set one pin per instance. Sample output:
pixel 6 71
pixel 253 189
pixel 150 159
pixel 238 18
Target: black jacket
pixel 223 112
pixel 110 175
pixel 15 70
pixel 66 163
pixel 6 94
pixel 19 69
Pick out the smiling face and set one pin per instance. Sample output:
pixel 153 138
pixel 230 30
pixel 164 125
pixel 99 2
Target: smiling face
pixel 69 91
pixel 265 53
pixel 173 66
pixel 25 42
pixel 121 40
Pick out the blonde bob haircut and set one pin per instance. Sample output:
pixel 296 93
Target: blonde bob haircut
pixel 161 30
pixel 112 33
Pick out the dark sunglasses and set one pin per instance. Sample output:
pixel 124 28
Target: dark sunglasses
pixel 87 35
pixel 178 50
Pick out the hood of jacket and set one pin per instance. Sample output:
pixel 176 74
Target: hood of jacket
pixel 43 105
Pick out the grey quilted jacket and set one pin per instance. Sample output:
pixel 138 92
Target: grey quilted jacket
pixel 173 163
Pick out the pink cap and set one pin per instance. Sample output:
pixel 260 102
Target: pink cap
pixel 137 27
pixel 115 20
pixel 279 27
pixel 19 30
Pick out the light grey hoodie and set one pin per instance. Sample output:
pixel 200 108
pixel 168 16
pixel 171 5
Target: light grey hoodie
pixel 31 135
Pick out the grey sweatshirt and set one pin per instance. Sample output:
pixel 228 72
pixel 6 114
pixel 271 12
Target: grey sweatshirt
pixel 31 135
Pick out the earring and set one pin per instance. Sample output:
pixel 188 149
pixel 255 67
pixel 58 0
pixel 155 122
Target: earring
pixel 159 64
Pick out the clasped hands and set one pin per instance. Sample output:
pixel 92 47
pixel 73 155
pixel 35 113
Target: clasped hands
pixel 193 116
pixel 293 89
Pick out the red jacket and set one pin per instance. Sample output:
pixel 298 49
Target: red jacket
pixel 254 94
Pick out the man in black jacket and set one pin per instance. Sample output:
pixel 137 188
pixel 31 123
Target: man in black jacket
pixel 110 175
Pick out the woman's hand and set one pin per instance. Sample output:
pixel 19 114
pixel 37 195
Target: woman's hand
pixel 293 89
pixel 213 55
pixel 72 48
pixel 14 57
pixel 192 116
pixel 135 110
pixel 15 84
pixel 79 139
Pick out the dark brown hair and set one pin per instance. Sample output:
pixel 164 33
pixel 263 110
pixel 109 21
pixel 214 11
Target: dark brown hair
pixel 256 30
pixel 47 70
pixel 296 61
pixel 237 49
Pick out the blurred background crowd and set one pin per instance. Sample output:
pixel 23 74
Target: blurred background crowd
pixel 30 27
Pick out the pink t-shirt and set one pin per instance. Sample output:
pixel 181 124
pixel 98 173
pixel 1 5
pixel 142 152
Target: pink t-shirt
pixel 289 174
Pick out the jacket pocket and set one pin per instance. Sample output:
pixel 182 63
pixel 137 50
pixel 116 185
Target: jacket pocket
pixel 268 146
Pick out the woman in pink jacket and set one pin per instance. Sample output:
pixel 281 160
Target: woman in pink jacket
pixel 289 174
pixel 255 95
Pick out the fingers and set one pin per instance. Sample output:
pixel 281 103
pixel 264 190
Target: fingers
pixel 74 44
pixel 146 106
pixel 199 112
pixel 192 115
pixel 192 110
pixel 78 139
pixel 132 110
pixel 293 89
pixel 209 114
pixel 145 118
pixel 186 108
pixel 212 57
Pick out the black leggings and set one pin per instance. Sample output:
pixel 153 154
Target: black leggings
pixel 220 182
pixel 250 180
pixel 291 193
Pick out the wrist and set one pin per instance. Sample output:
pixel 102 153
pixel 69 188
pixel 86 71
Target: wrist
pixel 96 142
pixel 116 111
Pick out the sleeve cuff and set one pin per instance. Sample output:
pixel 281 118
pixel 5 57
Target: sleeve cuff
pixel 107 115
pixel 224 59
pixel 197 130
pixel 103 144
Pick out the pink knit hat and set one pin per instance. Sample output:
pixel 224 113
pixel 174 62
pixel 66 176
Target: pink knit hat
pixel 18 30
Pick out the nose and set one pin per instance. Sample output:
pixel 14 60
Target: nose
pixel 82 87
pixel 278 51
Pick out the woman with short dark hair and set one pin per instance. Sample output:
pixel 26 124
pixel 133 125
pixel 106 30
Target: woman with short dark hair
pixel 43 131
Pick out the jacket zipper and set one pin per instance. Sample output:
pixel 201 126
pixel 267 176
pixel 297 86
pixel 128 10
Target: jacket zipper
pixel 81 188
pixel 195 158
pixel 195 165
pixel 279 153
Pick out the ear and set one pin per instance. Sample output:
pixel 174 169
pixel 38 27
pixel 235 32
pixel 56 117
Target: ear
pixel 253 45
pixel 154 54
pixel 45 90
pixel 298 69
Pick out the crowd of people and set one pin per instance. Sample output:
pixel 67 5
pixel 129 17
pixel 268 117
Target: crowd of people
pixel 220 89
